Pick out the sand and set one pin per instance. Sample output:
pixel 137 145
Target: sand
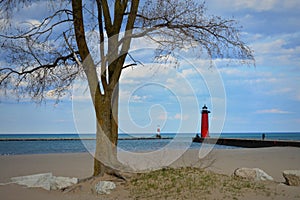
pixel 272 160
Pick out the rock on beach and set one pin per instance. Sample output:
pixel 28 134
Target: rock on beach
pixel 104 187
pixel 255 174
pixel 292 177
pixel 46 181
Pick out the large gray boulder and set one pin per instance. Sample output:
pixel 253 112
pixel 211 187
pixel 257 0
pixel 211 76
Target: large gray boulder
pixel 36 180
pixel 104 187
pixel 255 174
pixel 292 177
pixel 46 181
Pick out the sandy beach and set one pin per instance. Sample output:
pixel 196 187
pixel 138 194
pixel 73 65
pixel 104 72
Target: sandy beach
pixel 272 160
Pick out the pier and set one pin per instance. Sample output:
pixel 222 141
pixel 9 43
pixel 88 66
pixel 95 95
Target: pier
pixel 70 139
pixel 247 143
pixel 147 138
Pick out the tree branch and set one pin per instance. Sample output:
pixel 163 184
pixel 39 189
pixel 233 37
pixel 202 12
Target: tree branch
pixel 102 54
pixel 88 62
pixel 47 66
pixel 39 30
pixel 130 65
pixel 126 43
pixel 107 18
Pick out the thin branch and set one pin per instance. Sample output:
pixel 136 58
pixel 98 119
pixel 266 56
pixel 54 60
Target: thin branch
pixel 37 29
pixel 47 66
pixel 31 51
pixel 130 65
pixel 135 61
pixel 72 50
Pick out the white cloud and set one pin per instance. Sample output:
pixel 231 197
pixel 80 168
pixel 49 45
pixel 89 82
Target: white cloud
pixel 138 99
pixel 128 81
pixel 281 49
pixel 80 92
pixel 280 91
pixel 272 111
pixel 259 5
pixel 33 22
pixel 148 71
pixel 143 44
pixel 188 72
pixel 266 47
pixel 256 5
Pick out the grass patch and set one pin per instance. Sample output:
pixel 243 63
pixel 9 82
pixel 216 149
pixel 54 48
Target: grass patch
pixel 190 183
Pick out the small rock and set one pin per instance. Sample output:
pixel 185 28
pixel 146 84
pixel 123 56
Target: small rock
pixel 255 174
pixel 292 177
pixel 104 187
pixel 58 182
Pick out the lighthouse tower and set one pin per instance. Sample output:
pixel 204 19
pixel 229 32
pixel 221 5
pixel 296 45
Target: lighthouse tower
pixel 204 122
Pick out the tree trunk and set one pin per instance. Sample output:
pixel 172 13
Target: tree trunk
pixel 105 105
pixel 106 160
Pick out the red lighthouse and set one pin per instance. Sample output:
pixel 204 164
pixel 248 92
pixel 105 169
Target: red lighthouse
pixel 204 122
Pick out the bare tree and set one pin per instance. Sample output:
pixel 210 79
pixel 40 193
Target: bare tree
pixel 47 57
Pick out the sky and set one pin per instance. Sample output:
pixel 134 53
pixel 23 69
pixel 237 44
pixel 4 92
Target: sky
pixel 241 98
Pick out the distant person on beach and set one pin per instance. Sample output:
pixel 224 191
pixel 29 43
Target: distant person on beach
pixel 263 136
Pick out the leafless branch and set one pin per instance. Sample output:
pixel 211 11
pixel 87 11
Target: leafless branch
pixel 184 24
pixel 172 24
pixel 48 66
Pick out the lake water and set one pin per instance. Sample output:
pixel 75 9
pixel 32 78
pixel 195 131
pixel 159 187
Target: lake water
pixel 85 142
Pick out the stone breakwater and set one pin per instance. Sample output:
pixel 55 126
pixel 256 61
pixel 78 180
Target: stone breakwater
pixel 247 143
pixel 64 139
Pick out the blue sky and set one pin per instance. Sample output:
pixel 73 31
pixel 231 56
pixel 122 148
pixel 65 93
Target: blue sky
pixel 264 98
